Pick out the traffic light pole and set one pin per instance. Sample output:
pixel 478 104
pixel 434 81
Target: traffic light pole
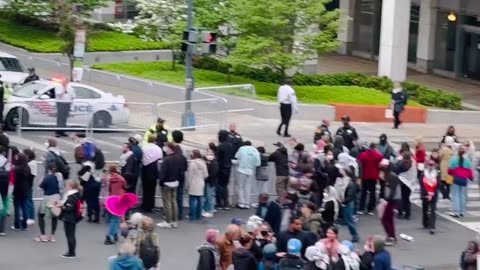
pixel 188 118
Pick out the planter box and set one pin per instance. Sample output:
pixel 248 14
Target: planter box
pixel 376 113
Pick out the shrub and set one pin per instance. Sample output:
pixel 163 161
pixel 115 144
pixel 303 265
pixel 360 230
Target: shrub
pixel 433 97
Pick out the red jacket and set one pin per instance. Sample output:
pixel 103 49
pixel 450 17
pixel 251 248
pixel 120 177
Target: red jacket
pixel 369 161
pixel 420 154
pixel 117 184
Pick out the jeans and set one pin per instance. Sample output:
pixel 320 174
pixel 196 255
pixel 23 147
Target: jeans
pixel 180 200
pixel 406 206
pixel 20 205
pixel 30 205
pixel 208 198
pixel 244 187
pixel 348 211
pixel 70 234
pixel 113 225
pixel 195 207
pixel 459 198
pixel 41 223
pixel 170 206
pixel 369 186
pixel 388 220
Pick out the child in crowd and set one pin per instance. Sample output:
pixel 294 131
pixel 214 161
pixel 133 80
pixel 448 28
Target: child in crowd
pixel 117 207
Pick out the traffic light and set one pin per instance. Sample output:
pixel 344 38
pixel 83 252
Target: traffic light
pixel 209 40
pixel 199 42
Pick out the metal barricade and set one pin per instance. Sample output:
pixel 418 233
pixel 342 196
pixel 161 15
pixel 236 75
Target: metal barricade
pixel 208 113
pixel 122 116
pixel 49 114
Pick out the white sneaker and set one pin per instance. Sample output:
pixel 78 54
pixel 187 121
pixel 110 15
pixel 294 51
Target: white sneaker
pixel 30 222
pixel 207 215
pixel 174 225
pixel 164 225
pixel 255 205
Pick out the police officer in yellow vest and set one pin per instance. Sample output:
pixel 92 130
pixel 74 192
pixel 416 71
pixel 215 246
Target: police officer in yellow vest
pixel 160 130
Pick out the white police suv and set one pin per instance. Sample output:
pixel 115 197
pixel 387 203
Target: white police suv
pixel 36 101
pixel 12 70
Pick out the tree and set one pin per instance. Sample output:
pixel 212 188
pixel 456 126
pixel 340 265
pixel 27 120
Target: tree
pixel 282 34
pixel 163 20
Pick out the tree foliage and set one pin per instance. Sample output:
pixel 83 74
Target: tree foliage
pixel 282 34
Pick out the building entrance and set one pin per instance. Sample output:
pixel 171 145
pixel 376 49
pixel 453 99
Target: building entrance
pixel 471 61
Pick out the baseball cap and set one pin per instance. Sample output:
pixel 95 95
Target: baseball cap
pixel 160 120
pixel 237 221
pixel 278 144
pixel 294 246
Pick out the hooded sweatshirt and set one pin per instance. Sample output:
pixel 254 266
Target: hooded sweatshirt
pixel 248 159
pixel 280 158
pixel 196 174
pixel 382 259
pixel 369 161
pixel 225 151
pixel 126 263
pixel 117 184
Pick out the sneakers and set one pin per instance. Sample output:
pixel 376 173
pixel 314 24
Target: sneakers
pixel 174 225
pixel 3 234
pixel 454 215
pixel 390 242
pixel 207 215
pixel 108 241
pixel 360 213
pixel 255 205
pixel 164 225
pixel 30 222
pixel 68 256
pixel 370 213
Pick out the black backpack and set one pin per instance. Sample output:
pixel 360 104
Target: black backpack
pixel 148 250
pixel 99 159
pixel 61 164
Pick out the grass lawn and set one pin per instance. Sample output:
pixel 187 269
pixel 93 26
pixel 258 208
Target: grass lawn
pixel 161 71
pixel 40 40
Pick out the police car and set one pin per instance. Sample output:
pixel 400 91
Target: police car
pixel 36 101
pixel 12 70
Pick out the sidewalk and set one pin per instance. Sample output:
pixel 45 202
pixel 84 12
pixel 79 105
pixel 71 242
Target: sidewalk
pixel 335 63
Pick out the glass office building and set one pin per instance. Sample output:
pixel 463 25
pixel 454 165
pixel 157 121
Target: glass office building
pixel 452 28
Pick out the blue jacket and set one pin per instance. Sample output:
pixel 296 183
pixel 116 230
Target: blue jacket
pixel 248 159
pixel 382 261
pixel 126 263
pixel 50 185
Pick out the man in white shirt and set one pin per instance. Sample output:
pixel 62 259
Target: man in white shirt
pixel 288 101
pixel 64 95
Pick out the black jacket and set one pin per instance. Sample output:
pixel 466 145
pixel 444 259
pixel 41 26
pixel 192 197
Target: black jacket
pixel 21 185
pixel 393 184
pixel 291 262
pixel 173 169
pixel 212 167
pixel 31 78
pixel 244 260
pixel 206 259
pixel 69 211
pixel 349 134
pixel 274 216
pixel 350 193
pixel 225 151
pixel 283 237
pixel 280 158
pixel 236 140
pixel 131 168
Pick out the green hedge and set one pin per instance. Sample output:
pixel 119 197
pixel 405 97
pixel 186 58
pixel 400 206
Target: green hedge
pixel 424 95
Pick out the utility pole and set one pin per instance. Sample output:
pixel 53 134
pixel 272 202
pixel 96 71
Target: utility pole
pixel 188 116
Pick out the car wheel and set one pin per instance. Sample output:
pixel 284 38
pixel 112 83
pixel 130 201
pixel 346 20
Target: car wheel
pixel 102 120
pixel 12 119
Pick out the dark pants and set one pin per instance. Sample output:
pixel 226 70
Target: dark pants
pixel 388 220
pixel 131 183
pixel 2 93
pixel 180 199
pixel 368 186
pixel 221 191
pixel 149 184
pixel 445 190
pixel 286 114
pixel 405 206
pixel 70 234
pixel 382 190
pixel 20 207
pixel 41 224
pixel 63 110
pixel 93 207
pixel 428 210
pixel 396 119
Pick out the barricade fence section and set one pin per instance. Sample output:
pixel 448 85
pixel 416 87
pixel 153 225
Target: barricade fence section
pixel 270 185
pixel 194 114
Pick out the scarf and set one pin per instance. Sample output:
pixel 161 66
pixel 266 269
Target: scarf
pixel 318 255
pixel 331 195
pixel 67 194
pixel 430 180
pixel 215 253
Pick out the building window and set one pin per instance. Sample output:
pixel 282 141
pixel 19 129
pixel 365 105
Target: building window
pixel 445 46
pixel 364 25
pixel 413 35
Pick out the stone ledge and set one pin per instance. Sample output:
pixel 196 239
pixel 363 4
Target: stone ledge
pixel 376 113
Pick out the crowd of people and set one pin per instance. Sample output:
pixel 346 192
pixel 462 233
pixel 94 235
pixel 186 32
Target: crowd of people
pixel 318 191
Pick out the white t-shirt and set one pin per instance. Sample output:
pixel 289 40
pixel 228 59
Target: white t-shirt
pixel 64 93
pixel 286 95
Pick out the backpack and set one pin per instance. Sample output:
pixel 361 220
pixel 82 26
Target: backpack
pixel 4 174
pixel 79 209
pixel 62 165
pixel 148 250
pixel 89 150
pixel 99 159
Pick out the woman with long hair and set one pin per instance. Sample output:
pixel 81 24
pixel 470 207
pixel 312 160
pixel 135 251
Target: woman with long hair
pixel 460 168
pixel 20 192
pixel 70 215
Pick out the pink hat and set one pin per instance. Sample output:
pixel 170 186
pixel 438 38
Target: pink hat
pixel 119 205
pixel 211 236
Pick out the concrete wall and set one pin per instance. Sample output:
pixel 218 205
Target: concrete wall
pixel 435 116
